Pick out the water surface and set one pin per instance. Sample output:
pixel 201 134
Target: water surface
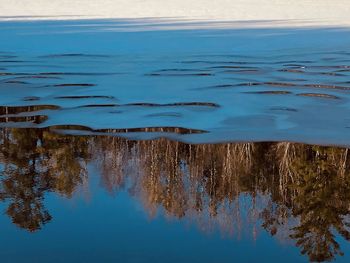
pixel 138 142
pixel 99 198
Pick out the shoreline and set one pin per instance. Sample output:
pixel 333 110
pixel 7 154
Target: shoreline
pixel 296 12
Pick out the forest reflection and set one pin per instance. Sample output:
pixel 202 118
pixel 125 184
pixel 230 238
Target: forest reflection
pixel 296 192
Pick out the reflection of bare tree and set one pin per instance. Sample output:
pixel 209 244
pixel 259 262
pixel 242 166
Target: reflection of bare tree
pixel 293 191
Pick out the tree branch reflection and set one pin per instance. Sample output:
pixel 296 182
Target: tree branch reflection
pixel 293 191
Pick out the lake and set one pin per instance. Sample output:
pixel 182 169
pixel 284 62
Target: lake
pixel 153 140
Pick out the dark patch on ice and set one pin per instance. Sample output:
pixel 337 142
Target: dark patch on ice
pixel 222 86
pixel 85 97
pixel 283 109
pixel 181 70
pixel 205 104
pixel 292 70
pixel 325 86
pixel 31 98
pixel 75 55
pixel 215 62
pixel 29 76
pixel 294 62
pixel 74 85
pixel 271 92
pixel 11 74
pixel 318 95
pixel 225 86
pixel 13 61
pixel 240 71
pixel 280 84
pixel 343 70
pixel 330 67
pixel 334 74
pixel 76 74
pixel 232 67
pixel 294 65
pixel 15 82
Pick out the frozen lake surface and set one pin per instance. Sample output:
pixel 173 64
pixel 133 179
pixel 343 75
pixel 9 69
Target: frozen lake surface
pixel 150 77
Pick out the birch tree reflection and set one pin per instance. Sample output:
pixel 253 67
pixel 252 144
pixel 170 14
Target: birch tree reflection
pixel 297 193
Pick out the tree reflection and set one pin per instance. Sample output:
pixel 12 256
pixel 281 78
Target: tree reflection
pixel 35 162
pixel 298 191
pixel 322 202
pixel 293 191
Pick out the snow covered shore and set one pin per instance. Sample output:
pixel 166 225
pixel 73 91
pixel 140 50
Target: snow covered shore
pixel 295 12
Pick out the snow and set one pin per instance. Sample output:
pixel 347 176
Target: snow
pixel 295 12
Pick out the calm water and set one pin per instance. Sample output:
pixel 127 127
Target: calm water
pixel 97 198
pixel 131 141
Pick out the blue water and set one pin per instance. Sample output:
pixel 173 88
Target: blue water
pixel 104 228
pixel 92 78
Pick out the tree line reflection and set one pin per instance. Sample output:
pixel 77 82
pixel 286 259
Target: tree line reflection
pixel 293 191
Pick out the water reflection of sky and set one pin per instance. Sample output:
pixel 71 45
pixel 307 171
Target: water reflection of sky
pixel 101 198
pixel 114 229
pixel 96 226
